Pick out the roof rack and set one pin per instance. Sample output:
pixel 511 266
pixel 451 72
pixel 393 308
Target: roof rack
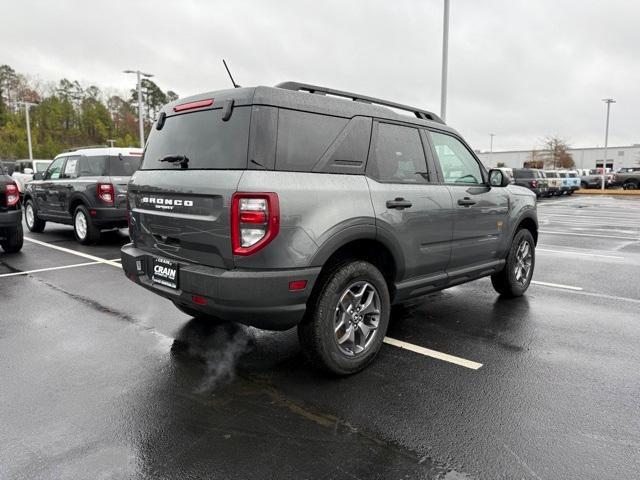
pixel 73 149
pixel 305 87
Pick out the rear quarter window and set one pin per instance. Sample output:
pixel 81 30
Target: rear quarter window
pixel 303 138
pixel 123 165
pixel 204 138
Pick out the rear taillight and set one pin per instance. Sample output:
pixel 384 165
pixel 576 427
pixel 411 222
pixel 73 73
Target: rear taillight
pixel 13 194
pixel 534 183
pixel 255 221
pixel 106 193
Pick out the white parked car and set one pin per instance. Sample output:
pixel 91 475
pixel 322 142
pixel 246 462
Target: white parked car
pixel 23 171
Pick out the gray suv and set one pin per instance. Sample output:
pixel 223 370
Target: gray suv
pixel 301 205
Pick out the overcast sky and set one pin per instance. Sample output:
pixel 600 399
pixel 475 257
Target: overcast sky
pixel 520 69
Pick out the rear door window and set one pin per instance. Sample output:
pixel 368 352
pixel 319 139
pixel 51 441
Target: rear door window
pixel 398 156
pixel 204 138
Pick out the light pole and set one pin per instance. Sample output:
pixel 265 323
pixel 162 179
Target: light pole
pixel 28 105
pixel 491 148
pixel 140 101
pixel 445 62
pixel 608 101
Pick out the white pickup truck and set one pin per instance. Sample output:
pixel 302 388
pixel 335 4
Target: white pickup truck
pixel 23 171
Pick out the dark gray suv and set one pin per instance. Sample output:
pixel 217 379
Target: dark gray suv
pixel 301 205
pixel 85 188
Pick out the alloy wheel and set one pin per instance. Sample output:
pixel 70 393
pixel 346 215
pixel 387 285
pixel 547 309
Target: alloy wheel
pixel 357 317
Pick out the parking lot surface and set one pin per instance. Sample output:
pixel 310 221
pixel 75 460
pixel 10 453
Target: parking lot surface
pixel 102 379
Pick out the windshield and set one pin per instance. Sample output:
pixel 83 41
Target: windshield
pixel 41 166
pixel 204 138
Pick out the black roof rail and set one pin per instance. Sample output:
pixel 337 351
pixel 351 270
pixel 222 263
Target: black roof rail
pixel 73 149
pixel 305 87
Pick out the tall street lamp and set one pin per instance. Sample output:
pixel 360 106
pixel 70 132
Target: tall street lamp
pixel 28 105
pixel 140 101
pixel 608 101
pixel 445 62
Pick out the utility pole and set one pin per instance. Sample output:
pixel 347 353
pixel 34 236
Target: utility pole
pixel 140 101
pixel 445 62
pixel 28 105
pixel 608 101
pixel 491 148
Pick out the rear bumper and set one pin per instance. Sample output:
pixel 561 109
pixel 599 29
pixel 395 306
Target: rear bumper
pixel 260 298
pixel 10 218
pixel 109 217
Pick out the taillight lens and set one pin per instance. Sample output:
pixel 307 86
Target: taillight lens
pixel 106 193
pixel 534 183
pixel 255 221
pixel 13 194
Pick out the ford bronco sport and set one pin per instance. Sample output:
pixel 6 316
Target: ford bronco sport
pixel 301 205
pixel 85 188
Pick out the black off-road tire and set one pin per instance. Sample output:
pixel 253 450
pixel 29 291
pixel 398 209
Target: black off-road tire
pixel 504 282
pixel 630 185
pixel 37 226
pixel 316 332
pixel 14 240
pixel 92 234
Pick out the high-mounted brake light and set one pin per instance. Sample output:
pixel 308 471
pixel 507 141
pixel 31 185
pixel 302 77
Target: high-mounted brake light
pixel 12 194
pixel 106 193
pixel 255 221
pixel 191 105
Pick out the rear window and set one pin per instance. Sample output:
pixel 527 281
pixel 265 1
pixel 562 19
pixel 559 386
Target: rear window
pixel 204 138
pixel 551 175
pixel 115 165
pixel 572 175
pixel 563 175
pixel 522 173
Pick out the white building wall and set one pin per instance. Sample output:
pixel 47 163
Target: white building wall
pixel 626 156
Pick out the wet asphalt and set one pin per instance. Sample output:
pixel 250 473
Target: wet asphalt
pixel 102 379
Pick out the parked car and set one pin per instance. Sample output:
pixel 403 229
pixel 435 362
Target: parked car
pixel 86 188
pixel 628 178
pixel 533 179
pixel 554 181
pixel 573 180
pixel 23 171
pixel 277 207
pixel 11 235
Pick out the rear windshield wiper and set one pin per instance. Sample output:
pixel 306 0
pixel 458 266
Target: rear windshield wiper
pixel 180 159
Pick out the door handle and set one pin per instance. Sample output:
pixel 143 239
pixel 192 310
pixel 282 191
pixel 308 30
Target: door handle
pixel 399 203
pixel 466 202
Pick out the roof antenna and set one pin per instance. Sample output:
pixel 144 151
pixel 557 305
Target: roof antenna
pixel 235 85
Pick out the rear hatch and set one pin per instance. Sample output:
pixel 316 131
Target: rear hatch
pixel 180 198
pixel 120 168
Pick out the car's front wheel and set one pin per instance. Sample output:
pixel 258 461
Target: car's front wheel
pixel 34 224
pixel 630 185
pixel 347 318
pixel 514 279
pixel 83 228
pixel 14 239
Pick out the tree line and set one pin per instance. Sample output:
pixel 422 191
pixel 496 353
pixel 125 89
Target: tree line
pixel 67 114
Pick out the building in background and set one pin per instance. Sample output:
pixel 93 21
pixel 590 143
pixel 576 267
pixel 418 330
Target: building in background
pixel 590 157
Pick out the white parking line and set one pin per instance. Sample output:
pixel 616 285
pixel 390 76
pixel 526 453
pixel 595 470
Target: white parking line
pixel 557 285
pixel 27 272
pixel 538 249
pixel 74 252
pixel 433 353
pixel 550 232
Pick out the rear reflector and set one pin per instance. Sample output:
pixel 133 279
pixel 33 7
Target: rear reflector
pixel 297 285
pixel 191 105
pixel 199 300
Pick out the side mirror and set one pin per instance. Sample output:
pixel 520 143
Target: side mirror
pixel 28 171
pixel 38 176
pixel 497 178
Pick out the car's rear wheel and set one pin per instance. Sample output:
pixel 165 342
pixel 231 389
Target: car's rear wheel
pixel 514 279
pixel 34 224
pixel 346 318
pixel 630 185
pixel 14 239
pixel 83 228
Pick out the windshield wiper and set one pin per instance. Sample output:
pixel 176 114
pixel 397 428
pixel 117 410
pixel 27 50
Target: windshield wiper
pixel 182 160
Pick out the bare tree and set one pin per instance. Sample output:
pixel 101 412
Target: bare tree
pixel 555 154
